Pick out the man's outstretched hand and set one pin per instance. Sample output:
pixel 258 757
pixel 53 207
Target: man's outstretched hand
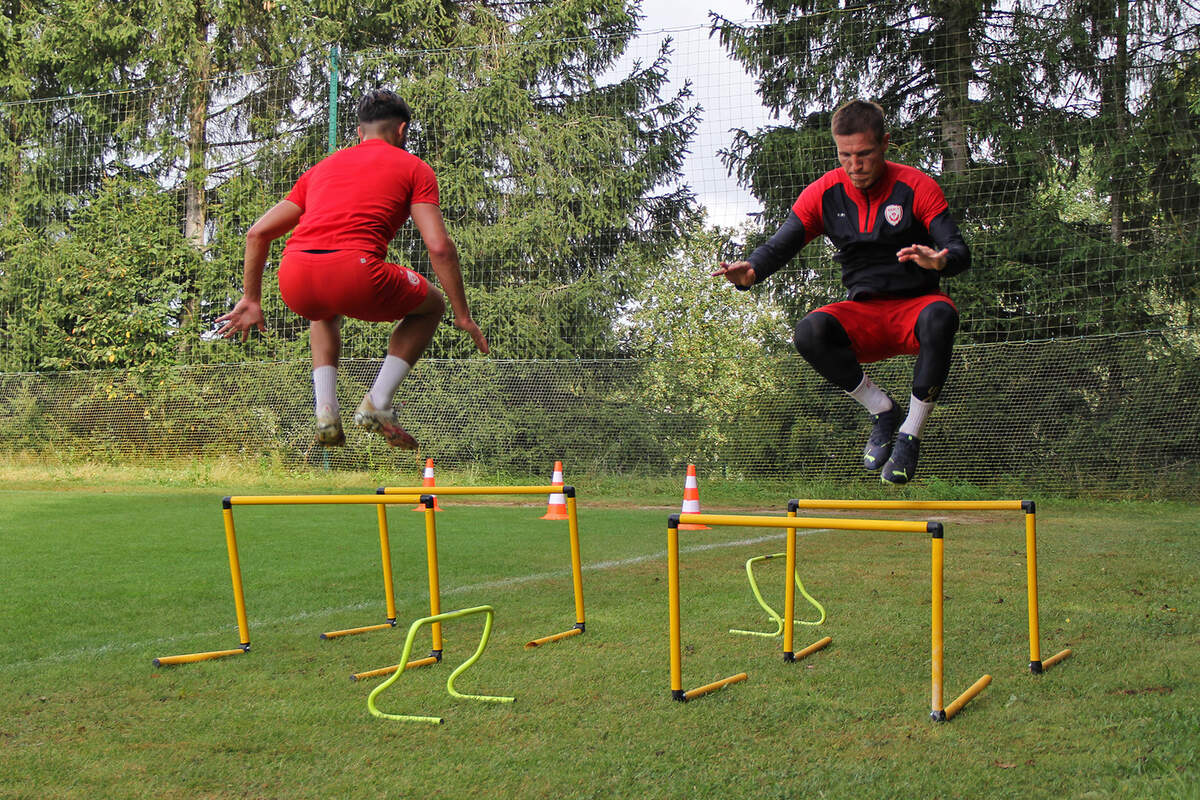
pixel 925 257
pixel 245 315
pixel 739 273
pixel 467 324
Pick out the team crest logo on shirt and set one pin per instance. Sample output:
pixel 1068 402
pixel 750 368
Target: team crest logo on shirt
pixel 412 277
pixel 893 213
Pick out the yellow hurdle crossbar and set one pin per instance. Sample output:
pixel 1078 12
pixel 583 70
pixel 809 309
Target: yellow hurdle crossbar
pixel 572 533
pixel 791 523
pixel 1036 665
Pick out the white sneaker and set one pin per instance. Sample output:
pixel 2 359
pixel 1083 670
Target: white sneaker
pixel 329 428
pixel 384 422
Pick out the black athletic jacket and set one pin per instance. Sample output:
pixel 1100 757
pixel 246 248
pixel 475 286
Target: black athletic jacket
pixel 904 207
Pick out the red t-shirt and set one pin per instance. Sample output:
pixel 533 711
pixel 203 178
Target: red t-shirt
pixel 357 198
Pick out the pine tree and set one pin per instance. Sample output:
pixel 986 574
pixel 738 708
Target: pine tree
pixel 1011 106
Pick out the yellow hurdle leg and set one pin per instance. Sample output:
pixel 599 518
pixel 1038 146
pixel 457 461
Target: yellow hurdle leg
pixel 820 644
pixel 789 594
pixel 1031 590
pixel 938 713
pixel 192 658
pixel 378 673
pixel 435 592
pixel 235 572
pixel 385 556
pixel 700 691
pixel 576 565
pixel 673 609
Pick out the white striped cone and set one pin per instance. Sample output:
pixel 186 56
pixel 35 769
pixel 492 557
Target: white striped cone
pixel 691 500
pixel 556 508
pixel 426 483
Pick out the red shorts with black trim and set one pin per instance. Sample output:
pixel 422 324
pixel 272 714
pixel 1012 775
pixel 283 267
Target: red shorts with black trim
pixel 882 327
pixel 349 283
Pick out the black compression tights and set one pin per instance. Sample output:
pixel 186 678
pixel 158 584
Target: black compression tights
pixel 823 342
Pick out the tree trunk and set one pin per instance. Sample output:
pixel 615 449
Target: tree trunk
pixel 953 71
pixel 1111 26
pixel 195 211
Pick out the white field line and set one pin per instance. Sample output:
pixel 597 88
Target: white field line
pixel 87 653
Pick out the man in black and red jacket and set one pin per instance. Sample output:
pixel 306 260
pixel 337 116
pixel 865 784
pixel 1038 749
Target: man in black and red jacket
pixel 895 238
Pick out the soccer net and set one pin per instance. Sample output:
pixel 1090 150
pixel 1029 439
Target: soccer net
pixel 591 185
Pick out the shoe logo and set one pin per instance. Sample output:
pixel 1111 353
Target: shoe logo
pixel 893 213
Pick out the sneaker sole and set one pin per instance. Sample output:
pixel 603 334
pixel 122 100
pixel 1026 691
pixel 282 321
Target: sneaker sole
pixel 338 441
pixel 395 436
pixel 878 464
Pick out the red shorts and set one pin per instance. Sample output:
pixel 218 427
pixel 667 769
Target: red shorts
pixel 882 327
pixel 350 283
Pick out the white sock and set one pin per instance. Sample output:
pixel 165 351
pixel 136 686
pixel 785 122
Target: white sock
pixel 871 397
pixel 388 381
pixel 918 410
pixel 325 387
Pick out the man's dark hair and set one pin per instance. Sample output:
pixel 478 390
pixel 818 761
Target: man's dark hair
pixel 381 104
pixel 858 116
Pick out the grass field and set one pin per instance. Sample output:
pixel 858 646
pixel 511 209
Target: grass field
pixel 100 578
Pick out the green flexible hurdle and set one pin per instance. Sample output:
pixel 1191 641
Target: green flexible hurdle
pixel 770 611
pixel 408 645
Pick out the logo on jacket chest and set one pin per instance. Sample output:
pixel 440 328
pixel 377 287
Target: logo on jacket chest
pixel 893 214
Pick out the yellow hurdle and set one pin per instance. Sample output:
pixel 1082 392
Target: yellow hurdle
pixel 791 523
pixel 572 534
pixel 383 497
pixel 1036 665
pixel 235 568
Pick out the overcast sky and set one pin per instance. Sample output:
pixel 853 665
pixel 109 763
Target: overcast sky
pixel 720 86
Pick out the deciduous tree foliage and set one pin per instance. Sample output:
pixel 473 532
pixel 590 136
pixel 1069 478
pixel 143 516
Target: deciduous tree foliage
pixel 547 171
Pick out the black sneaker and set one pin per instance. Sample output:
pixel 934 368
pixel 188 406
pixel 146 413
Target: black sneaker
pixel 901 467
pixel 879 445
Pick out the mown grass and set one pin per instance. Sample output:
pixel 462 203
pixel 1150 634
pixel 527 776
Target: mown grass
pixel 98 581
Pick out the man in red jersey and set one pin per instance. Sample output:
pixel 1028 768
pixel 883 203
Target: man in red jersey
pixel 344 212
pixel 895 238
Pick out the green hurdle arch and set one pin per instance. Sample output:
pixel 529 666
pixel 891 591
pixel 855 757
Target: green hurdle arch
pixel 438 619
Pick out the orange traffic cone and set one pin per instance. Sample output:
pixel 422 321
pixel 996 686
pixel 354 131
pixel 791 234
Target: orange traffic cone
pixel 427 483
pixel 557 507
pixel 691 500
